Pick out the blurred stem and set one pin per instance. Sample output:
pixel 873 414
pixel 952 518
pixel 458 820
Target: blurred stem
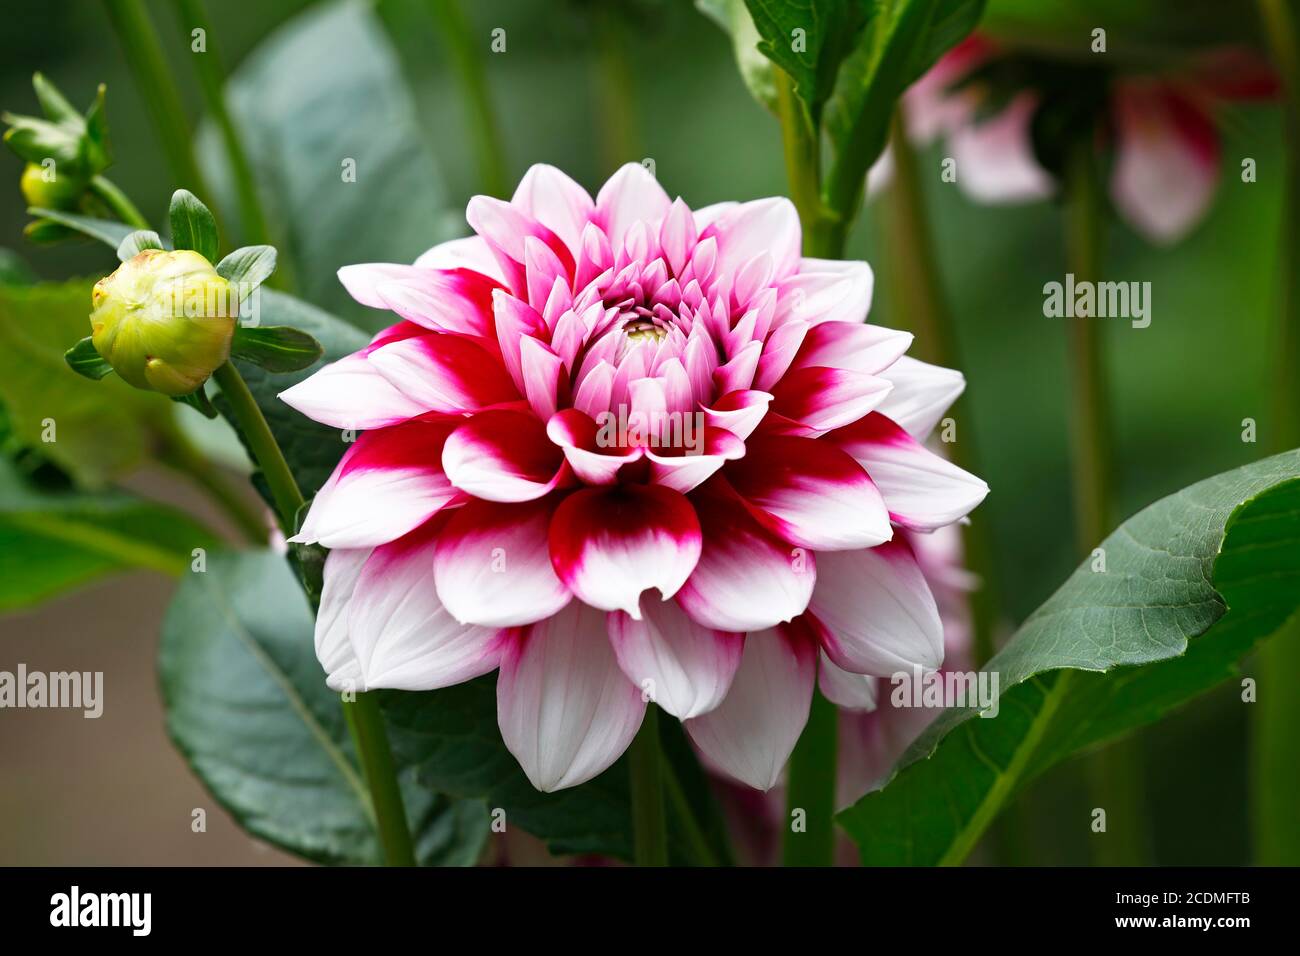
pixel 157 88
pixel 613 82
pixel 1275 744
pixel 694 835
pixel 1115 772
pixel 191 15
pixel 811 789
pixel 363 715
pixel 117 201
pixel 366 722
pixel 916 293
pixel 180 455
pixel 468 64
pixel 645 764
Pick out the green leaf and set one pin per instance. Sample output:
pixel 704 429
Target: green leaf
pixel 193 226
pixel 275 348
pixel 54 104
pixel 249 264
pixel 1191 584
pixel 199 401
pixel 99 430
pixel 755 68
pixel 311 449
pixel 137 242
pixel 106 231
pixel 36 140
pixel 52 542
pixel 84 359
pixel 96 150
pixel 337 80
pixel 809 39
pixel 452 736
pixel 248 707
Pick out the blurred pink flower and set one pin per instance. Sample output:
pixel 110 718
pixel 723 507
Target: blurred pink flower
pixel 1164 131
pixel 588 400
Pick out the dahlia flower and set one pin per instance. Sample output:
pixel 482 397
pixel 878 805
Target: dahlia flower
pixel 627 452
pixel 1164 127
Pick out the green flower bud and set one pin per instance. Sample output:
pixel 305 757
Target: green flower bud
pixel 164 320
pixel 61 192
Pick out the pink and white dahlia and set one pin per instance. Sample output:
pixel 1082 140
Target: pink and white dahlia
pixel 1164 130
pixel 627 452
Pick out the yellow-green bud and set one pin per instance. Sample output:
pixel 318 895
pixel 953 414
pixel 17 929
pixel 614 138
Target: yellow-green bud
pixel 164 320
pixel 49 190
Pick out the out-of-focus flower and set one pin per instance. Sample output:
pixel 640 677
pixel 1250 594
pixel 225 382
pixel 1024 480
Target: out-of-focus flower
pixel 589 400
pixel 1162 128
pixel 164 320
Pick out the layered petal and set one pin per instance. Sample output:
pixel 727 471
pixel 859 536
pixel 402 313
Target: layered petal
pixel 631 195
pixel 751 734
pixel 502 455
pixel 878 613
pixel 565 708
pixel 351 393
pixel 682 666
pixel 921 394
pixel 608 545
pixel 493 564
pixel 444 373
pixel 333 646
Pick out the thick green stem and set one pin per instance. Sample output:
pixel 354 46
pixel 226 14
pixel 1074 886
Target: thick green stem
pixel 466 58
pixel 1275 743
pixel 809 834
pixel 367 724
pixel 824 230
pixel 916 296
pixel 364 718
pixel 645 764
pixel 117 201
pixel 1114 773
pixel 190 15
pixel 145 57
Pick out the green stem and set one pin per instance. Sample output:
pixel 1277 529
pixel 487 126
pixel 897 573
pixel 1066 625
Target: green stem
pixel 364 718
pixel 367 724
pixel 645 764
pixel 464 49
pixel 1275 739
pixel 824 231
pixel 1115 773
pixel 697 841
pixel 212 78
pixel 613 80
pixel 266 452
pixel 811 790
pixel 144 55
pixel 117 201
pixel 916 292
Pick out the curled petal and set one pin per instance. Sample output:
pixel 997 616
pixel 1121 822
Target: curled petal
pixel 444 373
pixel 820 398
pixel 608 545
pixel 630 196
pixel 566 710
pixel 333 646
pixel 846 689
pixel 502 455
pixel 351 393
pixel 578 437
pixel 682 666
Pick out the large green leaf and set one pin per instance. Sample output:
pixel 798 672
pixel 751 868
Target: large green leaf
pixel 101 430
pixel 453 738
pixel 1190 584
pixel 311 449
pixel 248 707
pixel 324 92
pixel 51 541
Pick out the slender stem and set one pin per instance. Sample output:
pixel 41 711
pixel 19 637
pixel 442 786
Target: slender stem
pixel 1275 741
pixel 266 452
pixel 1114 773
pixel 117 201
pixel 916 290
pixel 466 59
pixel 364 718
pixel 367 724
pixel 144 55
pixel 824 231
pixel 811 790
pixel 696 839
pixel 191 15
pixel 613 80
pixel 645 764
pixel 183 457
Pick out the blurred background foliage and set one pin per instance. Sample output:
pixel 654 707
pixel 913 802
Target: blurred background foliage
pixel 586 86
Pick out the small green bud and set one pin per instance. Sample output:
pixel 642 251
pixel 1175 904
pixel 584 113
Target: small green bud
pixel 49 190
pixel 164 320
